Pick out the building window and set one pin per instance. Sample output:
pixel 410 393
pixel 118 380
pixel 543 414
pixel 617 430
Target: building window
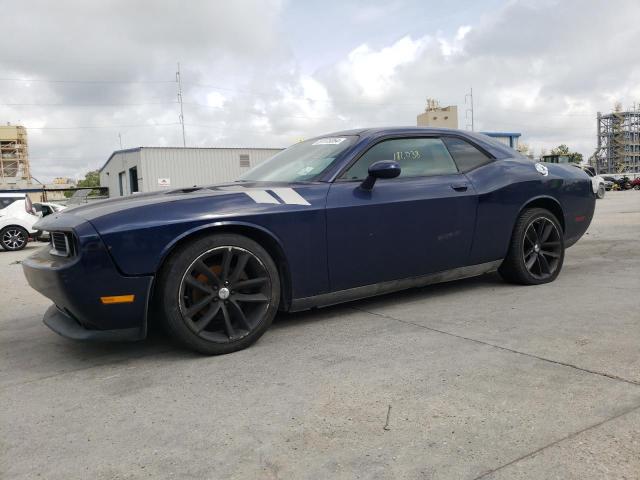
pixel 245 161
pixel 133 179
pixel 121 183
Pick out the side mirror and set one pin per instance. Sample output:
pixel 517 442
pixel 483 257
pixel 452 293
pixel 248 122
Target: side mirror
pixel 380 169
pixel 28 205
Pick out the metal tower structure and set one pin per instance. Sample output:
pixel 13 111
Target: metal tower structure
pixel 618 149
pixel 14 155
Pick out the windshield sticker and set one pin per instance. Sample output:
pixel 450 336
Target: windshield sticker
pixel 329 141
pixel 408 155
pixel 306 170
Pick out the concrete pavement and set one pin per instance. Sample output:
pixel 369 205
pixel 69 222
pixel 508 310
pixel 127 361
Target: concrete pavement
pixel 478 378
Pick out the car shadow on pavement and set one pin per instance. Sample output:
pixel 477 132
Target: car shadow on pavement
pixel 490 280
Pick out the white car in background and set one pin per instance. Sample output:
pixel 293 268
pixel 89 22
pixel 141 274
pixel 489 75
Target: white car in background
pixel 18 217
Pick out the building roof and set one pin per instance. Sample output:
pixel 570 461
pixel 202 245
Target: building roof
pixel 502 134
pixel 138 149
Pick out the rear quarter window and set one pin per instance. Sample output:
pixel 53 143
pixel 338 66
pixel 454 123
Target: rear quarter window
pixel 466 156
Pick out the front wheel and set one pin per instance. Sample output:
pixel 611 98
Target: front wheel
pixel 13 238
pixel 536 251
pixel 219 293
pixel 601 191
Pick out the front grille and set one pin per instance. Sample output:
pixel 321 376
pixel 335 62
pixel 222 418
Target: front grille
pixel 61 244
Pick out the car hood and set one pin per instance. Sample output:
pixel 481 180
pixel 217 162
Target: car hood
pixel 236 197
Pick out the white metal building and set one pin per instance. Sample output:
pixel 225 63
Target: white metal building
pixel 510 139
pixel 145 169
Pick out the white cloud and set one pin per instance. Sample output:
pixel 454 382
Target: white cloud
pixel 370 72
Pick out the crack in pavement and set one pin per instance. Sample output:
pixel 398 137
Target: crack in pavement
pixel 82 369
pixel 507 349
pixel 564 364
pixel 556 442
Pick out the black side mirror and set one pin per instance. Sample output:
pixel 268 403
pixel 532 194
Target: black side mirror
pixel 380 169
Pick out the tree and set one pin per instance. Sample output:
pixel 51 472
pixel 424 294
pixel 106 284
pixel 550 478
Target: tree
pixel 91 179
pixel 523 148
pixel 574 157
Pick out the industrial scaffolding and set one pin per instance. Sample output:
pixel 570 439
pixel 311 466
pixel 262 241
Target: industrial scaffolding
pixel 618 149
pixel 14 155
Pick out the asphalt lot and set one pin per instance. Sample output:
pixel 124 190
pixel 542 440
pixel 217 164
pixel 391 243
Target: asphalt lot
pixel 484 380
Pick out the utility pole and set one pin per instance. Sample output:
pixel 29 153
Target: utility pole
pixel 181 117
pixel 469 110
pixel 120 138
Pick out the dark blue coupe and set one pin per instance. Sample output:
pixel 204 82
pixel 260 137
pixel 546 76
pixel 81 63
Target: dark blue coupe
pixel 332 219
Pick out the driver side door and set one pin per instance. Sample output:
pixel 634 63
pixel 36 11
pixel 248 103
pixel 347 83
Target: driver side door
pixel 418 223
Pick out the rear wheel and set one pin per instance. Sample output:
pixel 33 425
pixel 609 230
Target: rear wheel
pixel 219 294
pixel 13 238
pixel 601 191
pixel 536 252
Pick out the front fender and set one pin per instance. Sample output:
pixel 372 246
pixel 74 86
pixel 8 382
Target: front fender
pixel 217 225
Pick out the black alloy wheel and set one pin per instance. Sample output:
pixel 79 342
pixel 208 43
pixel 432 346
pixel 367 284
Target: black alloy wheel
pixel 224 294
pixel 14 238
pixel 219 293
pixel 536 250
pixel 541 248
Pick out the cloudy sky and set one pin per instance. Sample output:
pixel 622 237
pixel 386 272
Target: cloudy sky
pixel 270 72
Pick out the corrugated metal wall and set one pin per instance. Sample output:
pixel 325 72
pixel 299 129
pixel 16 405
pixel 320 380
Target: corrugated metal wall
pixel 185 167
pixel 120 162
pixel 178 167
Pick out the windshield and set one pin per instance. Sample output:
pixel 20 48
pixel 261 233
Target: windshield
pixel 301 162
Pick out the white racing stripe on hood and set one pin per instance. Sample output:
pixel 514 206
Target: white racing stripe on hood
pixel 290 196
pixel 261 196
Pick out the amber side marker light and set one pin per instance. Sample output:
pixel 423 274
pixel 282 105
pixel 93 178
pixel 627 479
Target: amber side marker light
pixel 118 299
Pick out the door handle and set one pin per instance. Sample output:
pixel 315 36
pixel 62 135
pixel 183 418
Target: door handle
pixel 460 187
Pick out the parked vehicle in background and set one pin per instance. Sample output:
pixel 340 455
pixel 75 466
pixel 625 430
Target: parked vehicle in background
pixel 17 220
pixel 42 209
pixel 635 183
pixel 609 182
pixel 7 199
pixel 623 183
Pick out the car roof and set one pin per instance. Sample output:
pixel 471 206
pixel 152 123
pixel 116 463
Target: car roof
pixel 491 145
pixel 12 195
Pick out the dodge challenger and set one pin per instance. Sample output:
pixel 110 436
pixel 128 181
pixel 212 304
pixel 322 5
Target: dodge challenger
pixel 331 219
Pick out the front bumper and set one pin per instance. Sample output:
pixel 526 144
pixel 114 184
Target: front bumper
pixel 69 327
pixel 76 285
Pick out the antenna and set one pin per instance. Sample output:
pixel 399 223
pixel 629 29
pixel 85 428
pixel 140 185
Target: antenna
pixel 181 117
pixel 120 138
pixel 469 110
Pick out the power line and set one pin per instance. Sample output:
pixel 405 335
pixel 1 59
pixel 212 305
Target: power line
pixel 80 127
pixel 215 107
pixel 86 104
pixel 46 80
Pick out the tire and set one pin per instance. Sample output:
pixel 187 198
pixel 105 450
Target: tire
pixel 218 294
pixel 536 251
pixel 601 191
pixel 13 238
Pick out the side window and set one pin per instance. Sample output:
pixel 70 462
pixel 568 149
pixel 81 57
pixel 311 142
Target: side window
pixel 418 157
pixel 467 156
